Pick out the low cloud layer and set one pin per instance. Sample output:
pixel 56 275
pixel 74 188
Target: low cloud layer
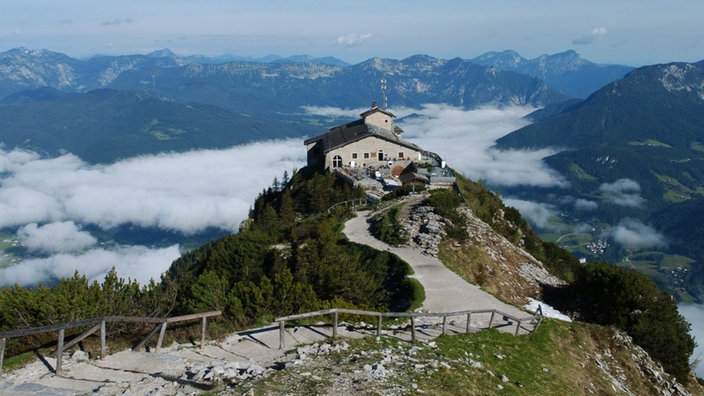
pixel 186 192
pixel 536 212
pixel 632 233
pixel 136 262
pixel 585 205
pixel 623 192
pixel 334 111
pixel 61 237
pixel 48 201
pixel 465 139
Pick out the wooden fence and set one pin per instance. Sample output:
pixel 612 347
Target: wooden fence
pixel 99 324
pixel 535 319
pixel 352 202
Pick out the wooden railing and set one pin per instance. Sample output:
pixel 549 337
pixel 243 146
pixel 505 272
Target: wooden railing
pixel 535 319
pixel 100 323
pixel 352 202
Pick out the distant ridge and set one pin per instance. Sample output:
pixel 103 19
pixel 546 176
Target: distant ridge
pixel 565 71
pixel 103 126
pixel 280 87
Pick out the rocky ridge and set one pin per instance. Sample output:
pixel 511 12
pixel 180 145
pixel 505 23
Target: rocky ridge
pixel 503 268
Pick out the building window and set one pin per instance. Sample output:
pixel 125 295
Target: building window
pixel 381 155
pixel 337 161
pixel 400 154
pixel 354 155
pixel 366 155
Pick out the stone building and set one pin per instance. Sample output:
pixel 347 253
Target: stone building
pixel 373 141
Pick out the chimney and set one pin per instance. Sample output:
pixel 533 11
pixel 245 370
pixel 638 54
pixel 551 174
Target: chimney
pixel 374 105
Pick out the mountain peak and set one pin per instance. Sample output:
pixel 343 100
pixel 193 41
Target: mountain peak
pixel 685 77
pixel 162 53
pixel 503 59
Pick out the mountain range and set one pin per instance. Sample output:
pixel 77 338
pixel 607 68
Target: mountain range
pixel 144 103
pixel 22 68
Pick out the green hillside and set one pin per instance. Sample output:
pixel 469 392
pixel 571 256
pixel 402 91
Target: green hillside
pixel 106 125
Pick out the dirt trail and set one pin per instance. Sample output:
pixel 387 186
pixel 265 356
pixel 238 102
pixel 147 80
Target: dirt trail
pixel 445 291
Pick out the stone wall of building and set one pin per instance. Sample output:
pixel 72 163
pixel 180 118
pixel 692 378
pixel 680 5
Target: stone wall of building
pixel 371 146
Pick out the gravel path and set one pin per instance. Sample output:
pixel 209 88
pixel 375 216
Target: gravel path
pixel 445 291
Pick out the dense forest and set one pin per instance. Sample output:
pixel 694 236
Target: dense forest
pixel 290 256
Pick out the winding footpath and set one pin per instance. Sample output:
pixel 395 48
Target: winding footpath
pixel 445 291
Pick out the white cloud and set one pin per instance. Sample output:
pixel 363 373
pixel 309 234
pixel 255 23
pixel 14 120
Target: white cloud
pixel 61 237
pixel 596 34
pixel 585 205
pixel 537 213
pixel 623 192
pixel 352 40
pixel 621 186
pixel 333 111
pixel 465 139
pixel 48 200
pixel 187 192
pixel 632 233
pixel 136 262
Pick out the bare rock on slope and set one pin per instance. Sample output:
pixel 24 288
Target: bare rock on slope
pixel 486 258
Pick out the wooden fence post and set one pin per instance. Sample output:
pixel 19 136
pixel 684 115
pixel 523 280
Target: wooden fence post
pixel 2 352
pixel 469 318
pixel 161 337
pixel 282 330
pixel 334 325
pixel 103 346
pixel 413 330
pixel 203 323
pixel 518 327
pixel 378 326
pixel 491 320
pixel 444 324
pixel 59 352
pixel 540 319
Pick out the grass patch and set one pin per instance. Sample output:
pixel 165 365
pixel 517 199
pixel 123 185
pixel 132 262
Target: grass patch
pixel 386 227
pixel 417 294
pixel 580 173
pixel 18 361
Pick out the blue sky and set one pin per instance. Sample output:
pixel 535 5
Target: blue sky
pixel 633 32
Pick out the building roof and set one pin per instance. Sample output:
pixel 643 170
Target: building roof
pixel 343 135
pixel 375 109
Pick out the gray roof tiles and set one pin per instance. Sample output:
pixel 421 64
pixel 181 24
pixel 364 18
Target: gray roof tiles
pixel 343 135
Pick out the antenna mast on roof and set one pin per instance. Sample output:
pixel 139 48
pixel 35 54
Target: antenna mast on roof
pixel 383 94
